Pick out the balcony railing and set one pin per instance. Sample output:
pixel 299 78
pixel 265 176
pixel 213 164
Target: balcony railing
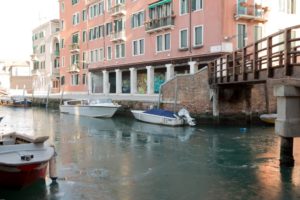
pixel 250 12
pixel 74 68
pixel 160 24
pixel 118 36
pixel 118 10
pixel 74 48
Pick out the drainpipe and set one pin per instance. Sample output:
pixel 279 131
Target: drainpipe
pixel 190 26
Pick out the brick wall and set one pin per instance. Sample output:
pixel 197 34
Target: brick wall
pixel 193 93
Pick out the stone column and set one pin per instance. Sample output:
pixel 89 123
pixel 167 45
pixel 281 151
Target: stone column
pixel 170 71
pixel 193 67
pixel 89 82
pixel 287 124
pixel 105 82
pixel 150 80
pixel 133 80
pixel 118 81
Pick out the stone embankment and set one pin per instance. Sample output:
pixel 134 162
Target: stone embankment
pixel 192 92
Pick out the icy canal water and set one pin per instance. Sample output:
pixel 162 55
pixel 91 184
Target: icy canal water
pixel 123 159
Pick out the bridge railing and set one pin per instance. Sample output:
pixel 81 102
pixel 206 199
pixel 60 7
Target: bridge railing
pixel 272 57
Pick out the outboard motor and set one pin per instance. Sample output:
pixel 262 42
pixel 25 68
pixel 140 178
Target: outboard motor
pixel 186 116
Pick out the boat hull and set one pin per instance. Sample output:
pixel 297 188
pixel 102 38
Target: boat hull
pixel 90 111
pixel 156 119
pixel 23 175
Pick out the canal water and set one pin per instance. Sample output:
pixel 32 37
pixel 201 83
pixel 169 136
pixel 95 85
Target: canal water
pixel 123 159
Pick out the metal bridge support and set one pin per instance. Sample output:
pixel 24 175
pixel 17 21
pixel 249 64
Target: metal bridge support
pixel 287 124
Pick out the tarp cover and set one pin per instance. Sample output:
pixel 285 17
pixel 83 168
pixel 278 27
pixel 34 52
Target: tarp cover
pixel 161 112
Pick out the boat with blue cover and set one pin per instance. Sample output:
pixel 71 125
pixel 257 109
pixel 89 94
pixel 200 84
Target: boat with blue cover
pixel 164 117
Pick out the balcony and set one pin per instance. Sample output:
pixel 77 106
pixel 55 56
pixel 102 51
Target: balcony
pixel 118 10
pixel 74 68
pixel 118 36
pixel 74 48
pixel 164 23
pixel 250 12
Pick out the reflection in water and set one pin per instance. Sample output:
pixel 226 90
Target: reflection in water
pixel 121 158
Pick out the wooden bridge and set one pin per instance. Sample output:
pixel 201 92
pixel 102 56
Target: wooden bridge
pixel 275 56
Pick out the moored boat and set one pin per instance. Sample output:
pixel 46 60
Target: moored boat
pixel 164 117
pixel 15 102
pixel 268 118
pixel 91 108
pixel 24 160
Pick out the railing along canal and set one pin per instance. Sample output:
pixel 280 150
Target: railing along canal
pixel 275 56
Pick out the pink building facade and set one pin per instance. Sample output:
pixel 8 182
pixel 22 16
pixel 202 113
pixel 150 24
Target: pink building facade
pixel 134 46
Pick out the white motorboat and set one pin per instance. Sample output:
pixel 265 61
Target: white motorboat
pixel 91 108
pixel 24 160
pixel 164 117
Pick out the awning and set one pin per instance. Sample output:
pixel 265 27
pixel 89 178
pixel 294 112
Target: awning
pixel 159 3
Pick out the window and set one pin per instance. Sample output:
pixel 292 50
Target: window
pixel 36 65
pixel 163 42
pixel 109 52
pixel 241 10
pixel 63 61
pixel 74 2
pixel 62 80
pixel 183 39
pixel 62 7
pixel 138 47
pixel 75 19
pixel 62 25
pixel 101 8
pixel 83 15
pixel 62 42
pixel 120 50
pixel 241 35
pixel 75 38
pixel 198 37
pixel 75 79
pixel 118 25
pixel 183 6
pixel 287 6
pixel 101 54
pixel 92 56
pixel 161 11
pixel 100 31
pixel 41 34
pixel 108 5
pixel 84 60
pixel 257 33
pixel 197 5
pixel 96 10
pixel 83 36
pixel 42 64
pixel 42 49
pixel 109 28
pixel 74 59
pixel 83 79
pixel 137 19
